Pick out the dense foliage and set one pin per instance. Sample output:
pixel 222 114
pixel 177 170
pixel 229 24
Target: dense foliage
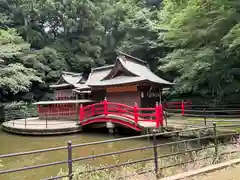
pixel 194 43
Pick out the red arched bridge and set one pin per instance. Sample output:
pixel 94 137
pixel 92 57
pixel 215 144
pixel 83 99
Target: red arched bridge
pixel 133 117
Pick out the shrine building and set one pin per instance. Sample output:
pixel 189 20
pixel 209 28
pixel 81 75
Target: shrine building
pixel 128 81
pixel 66 100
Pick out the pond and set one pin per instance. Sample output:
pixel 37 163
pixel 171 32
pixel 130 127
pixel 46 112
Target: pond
pixel 10 143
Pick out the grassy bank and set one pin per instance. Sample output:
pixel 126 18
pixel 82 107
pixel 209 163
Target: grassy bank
pixel 135 172
pixel 179 121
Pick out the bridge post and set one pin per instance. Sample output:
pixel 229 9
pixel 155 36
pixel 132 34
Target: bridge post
pixel 81 114
pixel 182 107
pixel 135 111
pixel 93 110
pixel 157 114
pixel 105 107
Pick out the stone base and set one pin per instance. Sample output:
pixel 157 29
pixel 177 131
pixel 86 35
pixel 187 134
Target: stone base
pixel 34 126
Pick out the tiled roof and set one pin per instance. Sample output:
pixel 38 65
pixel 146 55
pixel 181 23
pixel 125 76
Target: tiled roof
pixel 72 79
pixel 142 71
pixel 137 71
pixel 68 79
pixel 98 74
pixel 135 66
pixel 59 85
pixel 118 81
pixel 81 87
pixel 95 76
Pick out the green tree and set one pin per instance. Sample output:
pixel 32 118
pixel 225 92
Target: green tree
pixel 47 62
pixel 202 34
pixel 75 30
pixel 14 77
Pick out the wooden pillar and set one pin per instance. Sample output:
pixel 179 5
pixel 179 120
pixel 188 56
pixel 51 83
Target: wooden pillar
pixel 39 110
pixel 160 95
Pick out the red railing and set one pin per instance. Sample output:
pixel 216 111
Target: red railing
pixel 58 111
pixel 178 105
pixel 134 114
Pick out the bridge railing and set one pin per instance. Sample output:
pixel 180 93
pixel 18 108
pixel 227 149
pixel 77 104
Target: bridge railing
pixel 133 113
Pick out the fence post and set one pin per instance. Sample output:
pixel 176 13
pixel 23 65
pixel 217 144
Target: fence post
pixel 182 107
pixel 70 168
pixel 199 138
pixel 205 119
pixel 135 110
pixel 178 139
pixel 164 113
pixel 46 120
pixel 13 121
pixel 215 139
pixel 155 153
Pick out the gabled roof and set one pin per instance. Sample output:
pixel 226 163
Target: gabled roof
pixel 127 69
pixel 95 76
pixel 68 79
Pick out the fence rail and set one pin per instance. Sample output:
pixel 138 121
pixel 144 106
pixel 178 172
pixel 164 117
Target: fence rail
pixel 155 147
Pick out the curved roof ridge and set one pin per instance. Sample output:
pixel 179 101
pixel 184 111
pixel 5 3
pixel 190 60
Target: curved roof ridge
pixel 71 73
pixel 133 58
pixel 143 71
pixel 72 79
pixel 118 62
pixel 103 67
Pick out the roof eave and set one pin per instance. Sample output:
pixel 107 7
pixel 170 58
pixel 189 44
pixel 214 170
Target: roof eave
pixel 118 84
pixel 55 86
pixel 168 84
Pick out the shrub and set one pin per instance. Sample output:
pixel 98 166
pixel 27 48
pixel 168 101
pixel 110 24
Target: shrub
pixel 19 110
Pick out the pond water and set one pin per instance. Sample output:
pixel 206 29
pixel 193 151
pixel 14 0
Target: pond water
pixel 10 143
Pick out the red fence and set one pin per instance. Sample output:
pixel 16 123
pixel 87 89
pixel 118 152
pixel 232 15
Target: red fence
pixel 56 111
pixel 178 105
pixel 132 113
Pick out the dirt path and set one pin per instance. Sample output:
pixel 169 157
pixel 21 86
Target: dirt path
pixel 231 173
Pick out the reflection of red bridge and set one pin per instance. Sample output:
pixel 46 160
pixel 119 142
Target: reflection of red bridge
pixel 132 117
